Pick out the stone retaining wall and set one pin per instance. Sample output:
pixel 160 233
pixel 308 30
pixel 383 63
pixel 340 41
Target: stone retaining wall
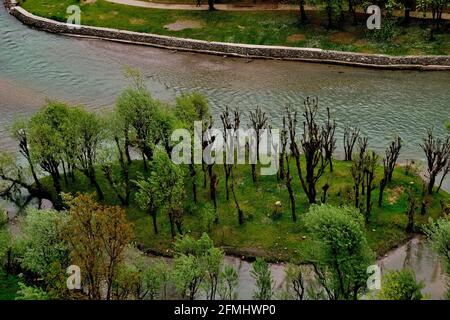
pixel 230 49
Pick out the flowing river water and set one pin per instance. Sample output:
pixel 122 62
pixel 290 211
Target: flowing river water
pixel 35 65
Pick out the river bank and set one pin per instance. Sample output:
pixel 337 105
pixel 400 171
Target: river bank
pixel 424 62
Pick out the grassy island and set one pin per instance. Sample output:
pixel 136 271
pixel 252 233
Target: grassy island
pixel 257 27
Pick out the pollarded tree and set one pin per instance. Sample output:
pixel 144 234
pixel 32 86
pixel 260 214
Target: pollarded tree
pixel 411 210
pixel 447 167
pixel 311 143
pixel 167 183
pixel 351 135
pixel 231 120
pixel 188 109
pixel 370 165
pixel 437 152
pixel 329 142
pixel 357 170
pixel 288 176
pixel 389 162
pixel 340 253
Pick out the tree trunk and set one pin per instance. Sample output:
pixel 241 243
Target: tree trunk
pixel 431 183
pixel 302 11
pixel 94 182
pixel 57 185
pixel 211 5
pixel 172 225
pixel 194 182
pixel 443 177
pixel 155 226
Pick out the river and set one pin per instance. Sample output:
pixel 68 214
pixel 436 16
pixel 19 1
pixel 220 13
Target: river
pixel 35 65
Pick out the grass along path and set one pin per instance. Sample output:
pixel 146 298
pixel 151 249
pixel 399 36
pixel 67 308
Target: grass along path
pixel 280 239
pixel 252 27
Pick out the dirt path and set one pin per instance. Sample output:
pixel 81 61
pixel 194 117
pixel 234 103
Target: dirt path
pixel 237 7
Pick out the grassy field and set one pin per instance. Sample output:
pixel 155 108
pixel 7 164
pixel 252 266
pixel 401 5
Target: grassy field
pixel 267 27
pixel 279 239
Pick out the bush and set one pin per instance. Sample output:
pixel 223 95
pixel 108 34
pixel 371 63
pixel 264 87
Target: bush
pixel 30 293
pixel 388 31
pixel 400 285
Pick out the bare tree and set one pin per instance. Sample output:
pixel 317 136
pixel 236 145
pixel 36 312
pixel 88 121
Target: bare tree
pixel 389 161
pixel 357 170
pixel 312 145
pixel 227 125
pixel 329 142
pixel 437 152
pixel 284 138
pixel 236 202
pixel 351 135
pixel 258 122
pixel 230 125
pixel 370 164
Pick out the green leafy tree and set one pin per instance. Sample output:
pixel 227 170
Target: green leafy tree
pixel 400 285
pixel 145 197
pixel 187 274
pixel 117 137
pixel 20 132
pixel 5 240
pixel 167 184
pixel 48 132
pixel 188 109
pixel 228 282
pixel 340 253
pixel 212 261
pixel 197 263
pixel 88 132
pixel 296 277
pixel 438 233
pixel 264 282
pixel 139 111
pixel 42 241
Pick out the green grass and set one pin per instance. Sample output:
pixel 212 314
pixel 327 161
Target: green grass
pixel 259 27
pixel 8 286
pixel 279 239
